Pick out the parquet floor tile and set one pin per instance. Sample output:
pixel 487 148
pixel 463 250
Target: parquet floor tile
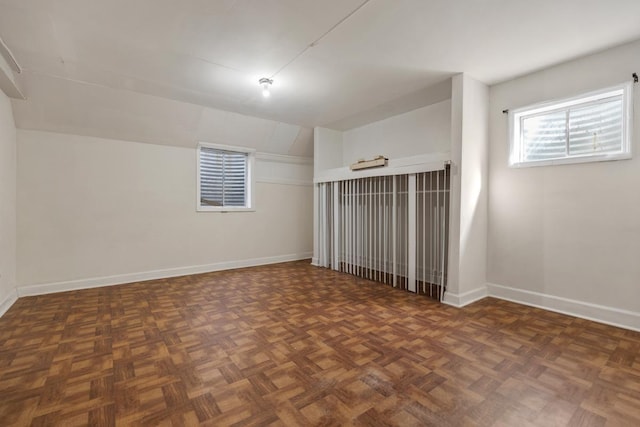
pixel 295 345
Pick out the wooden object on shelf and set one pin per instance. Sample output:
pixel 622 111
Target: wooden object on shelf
pixel 376 162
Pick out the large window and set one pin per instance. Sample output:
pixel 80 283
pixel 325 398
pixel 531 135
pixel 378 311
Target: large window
pixel 224 178
pixel 591 127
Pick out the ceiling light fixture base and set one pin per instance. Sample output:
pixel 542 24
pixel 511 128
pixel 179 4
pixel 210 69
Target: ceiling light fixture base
pixel 266 86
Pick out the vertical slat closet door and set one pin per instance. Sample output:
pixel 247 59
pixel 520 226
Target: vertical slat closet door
pixel 391 229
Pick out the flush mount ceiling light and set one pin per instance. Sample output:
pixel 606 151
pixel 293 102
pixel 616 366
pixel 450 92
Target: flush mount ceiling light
pixel 266 82
pixel 266 86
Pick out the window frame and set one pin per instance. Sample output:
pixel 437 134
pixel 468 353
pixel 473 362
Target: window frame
pixel 516 143
pixel 249 180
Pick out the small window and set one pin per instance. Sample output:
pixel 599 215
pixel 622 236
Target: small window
pixel 588 128
pixel 224 178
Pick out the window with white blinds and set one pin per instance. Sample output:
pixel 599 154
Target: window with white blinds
pixel 591 127
pixel 223 178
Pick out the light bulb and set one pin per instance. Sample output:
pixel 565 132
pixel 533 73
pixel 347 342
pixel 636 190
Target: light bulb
pixel 266 86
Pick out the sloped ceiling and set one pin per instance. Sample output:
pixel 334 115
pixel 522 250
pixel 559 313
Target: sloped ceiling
pixel 135 66
pixel 66 106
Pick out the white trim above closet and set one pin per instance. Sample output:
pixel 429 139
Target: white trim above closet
pixel 401 166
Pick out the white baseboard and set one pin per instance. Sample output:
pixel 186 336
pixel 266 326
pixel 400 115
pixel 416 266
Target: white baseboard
pixel 466 298
pixel 315 262
pixel 119 279
pixel 8 301
pixel 598 313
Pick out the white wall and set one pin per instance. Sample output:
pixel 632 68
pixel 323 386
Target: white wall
pixel 7 204
pixel 327 149
pixel 105 211
pixel 469 181
pixel 421 131
pixel 569 231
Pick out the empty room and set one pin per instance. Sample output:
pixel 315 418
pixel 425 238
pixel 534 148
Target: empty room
pixel 300 213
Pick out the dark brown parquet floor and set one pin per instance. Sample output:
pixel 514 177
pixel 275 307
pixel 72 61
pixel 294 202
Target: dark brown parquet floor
pixel 291 344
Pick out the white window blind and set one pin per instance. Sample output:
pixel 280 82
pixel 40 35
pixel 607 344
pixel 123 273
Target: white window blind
pixel 223 178
pixel 591 127
pixel 596 128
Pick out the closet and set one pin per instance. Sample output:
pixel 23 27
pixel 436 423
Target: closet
pixel 391 229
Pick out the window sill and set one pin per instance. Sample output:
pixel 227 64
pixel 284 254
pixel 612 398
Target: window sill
pixel 573 160
pixel 223 209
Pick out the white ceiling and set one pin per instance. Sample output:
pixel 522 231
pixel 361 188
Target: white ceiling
pixel 101 55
